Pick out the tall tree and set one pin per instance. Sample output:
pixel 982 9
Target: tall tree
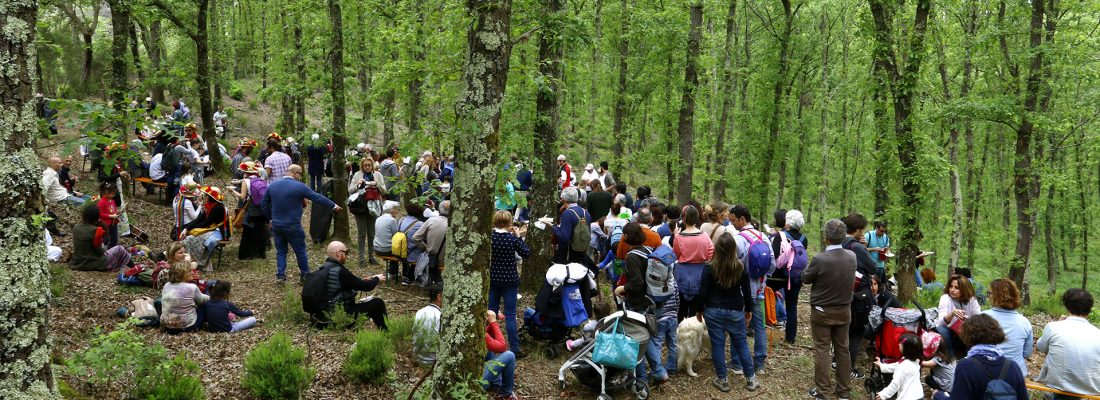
pixel 620 94
pixel 84 27
pixel 154 47
pixel 784 38
pixel 120 39
pixel 485 76
pixel 25 371
pixel 339 138
pixel 728 99
pixel 687 105
pixel 547 111
pixel 902 81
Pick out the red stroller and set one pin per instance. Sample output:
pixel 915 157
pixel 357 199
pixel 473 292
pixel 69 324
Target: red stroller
pixel 886 327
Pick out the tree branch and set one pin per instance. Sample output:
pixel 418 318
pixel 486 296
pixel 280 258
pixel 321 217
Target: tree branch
pixel 526 35
pixel 175 20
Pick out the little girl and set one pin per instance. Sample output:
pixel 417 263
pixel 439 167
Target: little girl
pixel 906 382
pixel 942 376
pixel 218 310
pixel 108 212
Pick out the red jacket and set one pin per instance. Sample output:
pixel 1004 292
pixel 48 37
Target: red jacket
pixel 494 340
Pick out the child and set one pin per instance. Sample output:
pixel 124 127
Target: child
pixel 180 300
pixel 667 322
pixel 906 383
pixel 942 376
pixel 219 309
pixel 108 212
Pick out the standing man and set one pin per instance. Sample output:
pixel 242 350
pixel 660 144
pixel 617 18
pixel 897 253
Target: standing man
pixel 741 219
pixel 277 161
pixel 391 172
pixel 524 177
pixel 283 204
pixel 606 178
pixel 430 237
pixel 862 298
pixel 567 178
pixel 878 244
pixel 832 274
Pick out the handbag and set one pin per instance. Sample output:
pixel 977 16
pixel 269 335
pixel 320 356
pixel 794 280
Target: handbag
pixel 615 349
pixel 238 217
pixel 956 325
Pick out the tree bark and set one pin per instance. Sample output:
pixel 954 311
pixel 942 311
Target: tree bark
pixel 765 180
pixel 417 54
pixel 134 53
pixel 339 140
pixel 620 96
pixel 155 49
pixel 216 70
pixel 120 40
pixel 548 112
pixel 85 30
pixel 263 44
pixel 300 94
pixel 903 85
pixel 462 344
pixel 25 371
pixel 728 100
pixel 687 106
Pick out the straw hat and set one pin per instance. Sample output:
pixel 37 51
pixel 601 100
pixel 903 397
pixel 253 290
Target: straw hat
pixel 249 167
pixel 214 193
pixel 274 135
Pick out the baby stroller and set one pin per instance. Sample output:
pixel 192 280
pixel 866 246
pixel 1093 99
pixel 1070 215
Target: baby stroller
pixel 885 327
pixel 637 326
pixel 563 303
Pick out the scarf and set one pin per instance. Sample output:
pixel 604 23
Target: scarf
pixel 990 352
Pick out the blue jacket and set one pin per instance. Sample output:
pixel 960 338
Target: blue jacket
pixel 564 230
pixel 973 373
pixel 282 204
pixel 217 315
pixel 524 177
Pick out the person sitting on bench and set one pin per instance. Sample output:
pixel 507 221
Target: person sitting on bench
pixel 1072 348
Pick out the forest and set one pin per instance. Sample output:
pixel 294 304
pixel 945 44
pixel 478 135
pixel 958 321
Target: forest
pixel 970 126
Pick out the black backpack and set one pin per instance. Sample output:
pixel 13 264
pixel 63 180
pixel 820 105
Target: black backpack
pixel 315 296
pixel 997 388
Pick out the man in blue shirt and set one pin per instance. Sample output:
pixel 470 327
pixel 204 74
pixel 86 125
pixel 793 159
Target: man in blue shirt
pixel 283 205
pixel 878 244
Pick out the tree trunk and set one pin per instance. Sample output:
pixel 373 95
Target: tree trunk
pixel 1085 219
pixel 1048 236
pixel 339 140
pixel 594 91
pixel 89 56
pixel 728 100
pixel 134 53
pixel 366 80
pixel 417 53
pixel 154 48
pixel 687 106
pixel 798 187
pixel 215 39
pixel 1024 180
pixel 300 94
pixel 970 27
pixel 620 96
pixel 953 160
pixel 263 44
pixel 765 180
pixel 462 344
pixel 903 86
pixel 120 39
pixel 25 371
pixel 548 108
pixel 202 50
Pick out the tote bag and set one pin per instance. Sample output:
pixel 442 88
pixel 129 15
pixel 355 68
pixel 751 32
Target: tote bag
pixel 615 349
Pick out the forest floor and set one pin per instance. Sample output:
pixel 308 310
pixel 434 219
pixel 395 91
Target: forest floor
pixel 89 301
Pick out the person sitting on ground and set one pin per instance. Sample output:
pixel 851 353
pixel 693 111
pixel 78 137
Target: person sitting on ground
pixel 1073 351
pixel 218 311
pixel 202 235
pixel 883 296
pixel 54 189
pixel 426 326
pixel 180 300
pixel 89 252
pixel 984 362
pixel 503 274
pixel 942 374
pixel 957 303
pixel 500 363
pixel 65 175
pixel 1019 339
pixel 928 276
pixel 53 253
pixel 342 285
pixel 905 383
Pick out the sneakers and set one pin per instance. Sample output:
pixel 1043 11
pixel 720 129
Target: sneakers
pixel 737 371
pixel 752 384
pixel 280 280
pixel 512 397
pixel 856 374
pixel 721 384
pixel 405 281
pixel 519 354
pixel 815 394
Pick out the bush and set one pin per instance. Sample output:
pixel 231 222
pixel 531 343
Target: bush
pixel 400 332
pixel 236 92
pixel 276 369
pixel 929 298
pixel 60 276
pixel 289 312
pixel 121 359
pixel 371 358
pixel 253 104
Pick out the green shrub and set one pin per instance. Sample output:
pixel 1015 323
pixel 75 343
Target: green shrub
pixel 929 298
pixel 275 369
pixel 60 276
pixel 177 379
pixel 1046 304
pixel 236 92
pixel 121 359
pixel 400 332
pixel 253 104
pixel 341 320
pixel 371 358
pixel 289 312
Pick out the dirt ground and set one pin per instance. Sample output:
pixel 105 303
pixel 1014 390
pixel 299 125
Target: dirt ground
pixel 91 298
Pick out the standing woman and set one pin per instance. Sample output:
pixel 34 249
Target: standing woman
pixel 254 234
pixel 503 275
pixel 693 250
pixel 715 215
pixel 1019 337
pixel 956 305
pixel 369 179
pixel 726 300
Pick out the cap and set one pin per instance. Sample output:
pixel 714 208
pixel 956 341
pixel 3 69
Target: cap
pixel 561 157
pixel 389 205
pixel 589 167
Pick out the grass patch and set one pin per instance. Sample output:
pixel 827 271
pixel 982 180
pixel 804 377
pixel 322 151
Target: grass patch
pixel 60 276
pixel 276 369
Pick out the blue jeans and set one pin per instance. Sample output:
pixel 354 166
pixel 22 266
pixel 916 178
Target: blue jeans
pixel 211 242
pixel 509 295
pixel 76 201
pixel 666 333
pixel 500 371
pixel 719 322
pixel 296 238
pixel 760 339
pixel 315 182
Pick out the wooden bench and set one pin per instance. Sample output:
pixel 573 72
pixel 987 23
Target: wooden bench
pixel 1032 385
pixel 161 186
pixel 395 259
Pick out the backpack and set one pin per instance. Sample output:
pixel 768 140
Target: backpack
pixel 659 280
pixel 997 388
pixel 256 188
pixel 170 161
pixel 615 236
pixel 572 305
pixel 315 296
pixel 792 258
pixel 582 235
pixel 400 242
pixel 357 203
pixel 758 257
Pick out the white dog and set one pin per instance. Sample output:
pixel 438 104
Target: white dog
pixel 689 342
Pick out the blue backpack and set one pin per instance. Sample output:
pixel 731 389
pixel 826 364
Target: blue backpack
pixel 997 388
pixel 758 257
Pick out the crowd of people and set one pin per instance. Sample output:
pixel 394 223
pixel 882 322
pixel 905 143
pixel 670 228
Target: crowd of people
pixel 730 271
